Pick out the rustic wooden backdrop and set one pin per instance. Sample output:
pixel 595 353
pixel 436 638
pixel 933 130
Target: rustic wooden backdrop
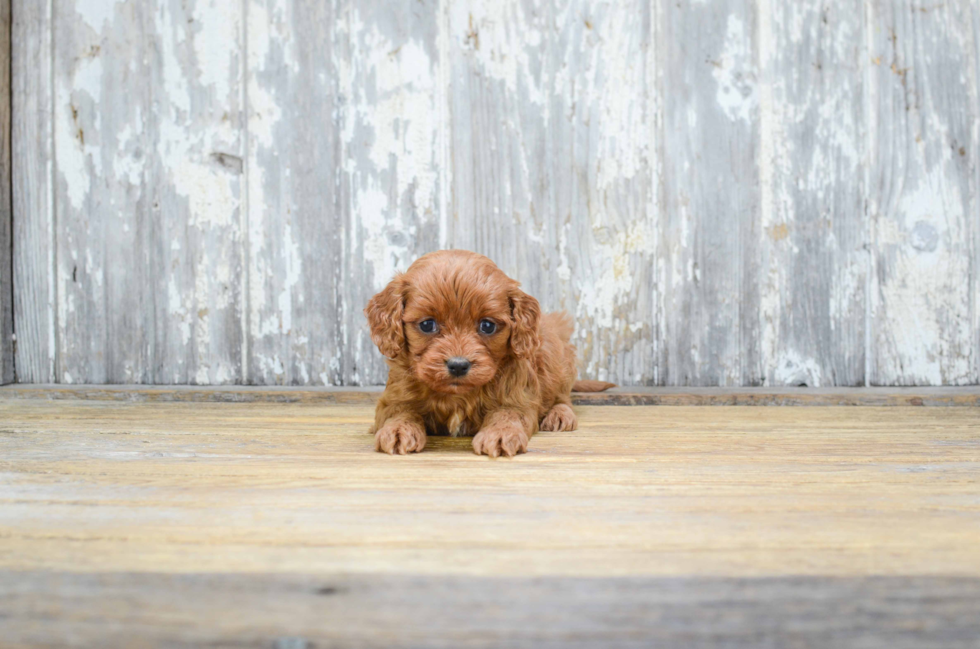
pixel 6 248
pixel 723 192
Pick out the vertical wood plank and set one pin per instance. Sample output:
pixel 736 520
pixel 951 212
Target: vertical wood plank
pixel 711 228
pixel 553 165
pixel 197 178
pixel 149 159
pixel 33 214
pixel 812 161
pixel 923 199
pixel 394 143
pixel 712 234
pixel 345 183
pixel 975 262
pixel 295 243
pixel 100 87
pixel 6 233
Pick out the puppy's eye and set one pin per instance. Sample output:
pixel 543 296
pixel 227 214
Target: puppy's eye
pixel 487 326
pixel 428 326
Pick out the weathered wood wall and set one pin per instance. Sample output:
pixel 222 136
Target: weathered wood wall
pixel 6 234
pixel 724 192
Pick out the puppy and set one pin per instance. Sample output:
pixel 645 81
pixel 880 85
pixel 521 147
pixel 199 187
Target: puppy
pixel 469 353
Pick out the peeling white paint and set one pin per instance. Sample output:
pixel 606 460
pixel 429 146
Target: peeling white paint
pixel 178 311
pixel 810 161
pixel 622 151
pixel 924 296
pixel 263 114
pixel 610 287
pixel 264 109
pixel 490 30
pixel 770 159
pixel 394 134
pixel 573 147
pixel 372 206
pixel 128 164
pixel 293 268
pixel 792 369
pixel 735 73
pixel 404 121
pixel 71 160
pixel 216 24
pixel 96 13
pixel 78 159
pixel 174 80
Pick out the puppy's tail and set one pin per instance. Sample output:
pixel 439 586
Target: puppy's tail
pixel 591 386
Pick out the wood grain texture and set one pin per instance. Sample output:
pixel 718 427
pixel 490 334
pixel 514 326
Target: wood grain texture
pixel 736 193
pixel 552 165
pixel 346 178
pixel 633 396
pixel 296 210
pixel 6 228
pixel 924 195
pixel 32 160
pixel 975 267
pixel 813 242
pixel 395 148
pixel 711 227
pixel 108 487
pixel 340 610
pixel 975 264
pixel 252 523
pixel 147 115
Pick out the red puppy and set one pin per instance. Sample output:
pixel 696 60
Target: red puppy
pixel 469 353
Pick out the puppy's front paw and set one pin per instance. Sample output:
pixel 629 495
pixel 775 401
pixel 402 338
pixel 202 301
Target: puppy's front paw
pixel 508 439
pixel 399 437
pixel 560 417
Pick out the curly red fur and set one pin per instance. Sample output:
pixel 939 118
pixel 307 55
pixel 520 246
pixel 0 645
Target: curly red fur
pixel 520 376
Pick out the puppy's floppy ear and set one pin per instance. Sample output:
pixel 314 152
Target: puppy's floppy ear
pixel 384 315
pixel 526 312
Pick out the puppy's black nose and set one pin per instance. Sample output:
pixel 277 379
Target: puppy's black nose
pixel 458 366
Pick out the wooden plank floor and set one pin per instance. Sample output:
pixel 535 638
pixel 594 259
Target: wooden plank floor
pixel 275 525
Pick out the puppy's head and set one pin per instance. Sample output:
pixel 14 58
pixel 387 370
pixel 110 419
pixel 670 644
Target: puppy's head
pixel 454 318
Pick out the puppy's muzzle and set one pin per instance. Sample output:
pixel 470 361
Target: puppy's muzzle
pixel 458 366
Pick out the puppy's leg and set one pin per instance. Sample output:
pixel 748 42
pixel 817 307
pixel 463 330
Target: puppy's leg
pixel 504 432
pixel 560 417
pixel 399 433
pixel 557 371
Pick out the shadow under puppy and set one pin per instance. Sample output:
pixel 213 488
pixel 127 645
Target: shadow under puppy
pixel 469 353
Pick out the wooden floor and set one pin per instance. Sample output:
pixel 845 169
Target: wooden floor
pixel 276 525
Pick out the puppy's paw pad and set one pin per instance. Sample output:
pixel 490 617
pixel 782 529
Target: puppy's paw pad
pixel 499 440
pixel 399 437
pixel 560 417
